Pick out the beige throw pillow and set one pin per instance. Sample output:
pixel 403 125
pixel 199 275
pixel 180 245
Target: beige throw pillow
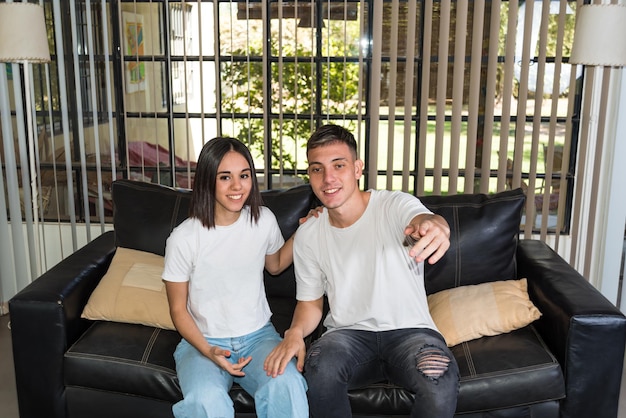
pixel 131 291
pixel 469 312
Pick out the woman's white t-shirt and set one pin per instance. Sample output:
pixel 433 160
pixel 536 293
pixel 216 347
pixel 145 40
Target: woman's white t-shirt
pixel 224 268
pixel 370 280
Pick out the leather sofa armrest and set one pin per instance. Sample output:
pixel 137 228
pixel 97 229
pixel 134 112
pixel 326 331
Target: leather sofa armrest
pixel 45 321
pixel 583 329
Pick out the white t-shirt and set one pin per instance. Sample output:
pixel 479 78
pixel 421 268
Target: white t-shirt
pixel 370 280
pixel 224 268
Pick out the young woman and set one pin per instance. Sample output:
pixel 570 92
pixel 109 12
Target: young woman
pixel 214 279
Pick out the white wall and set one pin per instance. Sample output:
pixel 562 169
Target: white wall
pixel 59 241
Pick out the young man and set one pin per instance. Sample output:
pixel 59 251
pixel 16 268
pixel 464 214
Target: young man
pixel 366 252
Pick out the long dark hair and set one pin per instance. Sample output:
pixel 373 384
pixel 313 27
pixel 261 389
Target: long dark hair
pixel 203 195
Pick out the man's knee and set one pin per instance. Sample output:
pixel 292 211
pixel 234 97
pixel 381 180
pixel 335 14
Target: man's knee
pixel 322 366
pixel 314 360
pixel 432 362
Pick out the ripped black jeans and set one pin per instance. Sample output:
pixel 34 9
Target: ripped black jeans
pixel 416 359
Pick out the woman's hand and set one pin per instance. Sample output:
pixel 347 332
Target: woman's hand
pixel 220 357
pixel 312 213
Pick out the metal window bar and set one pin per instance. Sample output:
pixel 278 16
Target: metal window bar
pixel 446 144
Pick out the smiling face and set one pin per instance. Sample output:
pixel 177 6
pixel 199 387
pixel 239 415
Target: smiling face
pixel 334 173
pixel 232 187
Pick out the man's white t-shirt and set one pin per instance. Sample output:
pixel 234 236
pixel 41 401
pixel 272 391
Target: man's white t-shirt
pixel 224 268
pixel 371 281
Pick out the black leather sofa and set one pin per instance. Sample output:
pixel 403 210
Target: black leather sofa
pixel 566 364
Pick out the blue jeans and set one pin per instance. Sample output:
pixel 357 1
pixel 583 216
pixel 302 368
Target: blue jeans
pixel 416 359
pixel 205 385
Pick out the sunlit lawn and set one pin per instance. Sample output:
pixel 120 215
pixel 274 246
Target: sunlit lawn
pixel 397 136
pixel 438 147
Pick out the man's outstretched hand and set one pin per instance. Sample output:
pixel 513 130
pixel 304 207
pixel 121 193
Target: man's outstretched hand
pixel 428 237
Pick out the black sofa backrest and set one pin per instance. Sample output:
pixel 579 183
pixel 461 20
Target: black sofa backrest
pixel 484 232
pixel 144 214
pixel 483 239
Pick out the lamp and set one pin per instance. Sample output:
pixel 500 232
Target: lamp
pixel 24 40
pixel 599 35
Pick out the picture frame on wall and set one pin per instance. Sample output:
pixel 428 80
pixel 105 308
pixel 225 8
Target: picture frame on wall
pixel 134 44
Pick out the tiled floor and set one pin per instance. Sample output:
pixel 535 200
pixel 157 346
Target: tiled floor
pixel 8 396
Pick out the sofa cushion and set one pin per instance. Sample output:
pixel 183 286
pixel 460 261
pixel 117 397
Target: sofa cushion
pixel 469 312
pixel 144 214
pixel 131 291
pixel 125 358
pixel 503 372
pixel 133 360
pixel 484 231
pixel 507 370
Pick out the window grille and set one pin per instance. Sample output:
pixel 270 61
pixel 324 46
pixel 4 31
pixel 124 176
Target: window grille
pixel 443 96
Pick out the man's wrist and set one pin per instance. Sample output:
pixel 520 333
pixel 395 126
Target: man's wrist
pixel 294 333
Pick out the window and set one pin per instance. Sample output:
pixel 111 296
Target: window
pixel 492 107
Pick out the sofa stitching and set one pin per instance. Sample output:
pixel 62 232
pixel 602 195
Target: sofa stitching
pixel 513 372
pixel 458 275
pixel 134 395
pixel 118 360
pixel 474 375
pixel 519 404
pixel 150 344
pixel 489 201
pixel 80 338
pixel 544 345
pixel 470 360
pixel 531 405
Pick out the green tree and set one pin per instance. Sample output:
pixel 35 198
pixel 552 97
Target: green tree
pixel 293 92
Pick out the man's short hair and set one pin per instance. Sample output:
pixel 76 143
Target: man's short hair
pixel 331 134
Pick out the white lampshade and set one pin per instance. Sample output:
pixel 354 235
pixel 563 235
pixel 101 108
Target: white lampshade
pixel 23 33
pixel 600 35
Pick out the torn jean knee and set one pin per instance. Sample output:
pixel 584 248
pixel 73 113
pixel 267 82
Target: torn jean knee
pixel 432 362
